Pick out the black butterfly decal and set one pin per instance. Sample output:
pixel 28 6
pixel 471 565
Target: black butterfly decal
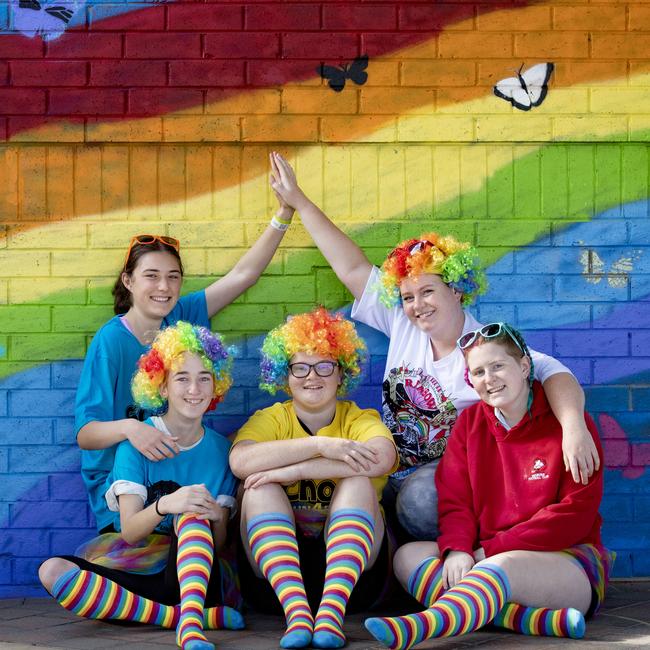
pixel 45 18
pixel 528 88
pixel 336 75
pixel 62 13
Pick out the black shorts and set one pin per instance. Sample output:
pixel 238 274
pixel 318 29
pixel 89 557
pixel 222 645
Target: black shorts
pixel 369 591
pixel 161 587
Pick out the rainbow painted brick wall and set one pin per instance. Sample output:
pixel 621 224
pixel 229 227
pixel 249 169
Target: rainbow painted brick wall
pixel 124 117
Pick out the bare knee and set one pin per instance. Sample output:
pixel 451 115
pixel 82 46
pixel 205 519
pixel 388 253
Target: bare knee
pixel 410 556
pixel 544 579
pixel 51 570
pixel 270 491
pixel 355 486
pixel 262 500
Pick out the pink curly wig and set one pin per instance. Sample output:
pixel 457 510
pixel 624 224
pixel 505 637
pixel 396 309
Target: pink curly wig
pixel 317 332
pixel 166 354
pixel 457 263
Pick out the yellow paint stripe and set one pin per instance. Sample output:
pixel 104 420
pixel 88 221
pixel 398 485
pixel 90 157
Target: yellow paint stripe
pixel 343 179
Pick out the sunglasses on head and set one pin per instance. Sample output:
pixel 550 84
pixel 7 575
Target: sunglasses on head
pixel 419 245
pixel 413 248
pixel 143 240
pixel 489 331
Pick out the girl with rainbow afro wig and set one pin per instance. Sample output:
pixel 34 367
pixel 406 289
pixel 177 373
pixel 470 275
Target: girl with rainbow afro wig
pixel 313 469
pixel 317 332
pixel 166 354
pixel 419 299
pixel 457 264
pixel 163 566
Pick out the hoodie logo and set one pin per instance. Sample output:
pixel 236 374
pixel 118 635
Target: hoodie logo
pixel 538 471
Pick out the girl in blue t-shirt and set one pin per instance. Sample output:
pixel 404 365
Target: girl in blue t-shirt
pixel 147 298
pixel 189 496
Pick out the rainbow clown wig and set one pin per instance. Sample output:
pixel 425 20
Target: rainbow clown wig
pixel 457 263
pixel 317 332
pixel 166 354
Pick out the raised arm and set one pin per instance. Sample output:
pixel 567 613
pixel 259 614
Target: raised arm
pixel 347 260
pixel 248 269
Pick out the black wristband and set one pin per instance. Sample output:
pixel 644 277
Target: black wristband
pixel 160 514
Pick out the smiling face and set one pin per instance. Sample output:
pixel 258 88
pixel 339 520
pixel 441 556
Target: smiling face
pixel 189 388
pixel 313 393
pixel 500 379
pixel 155 284
pixel 430 304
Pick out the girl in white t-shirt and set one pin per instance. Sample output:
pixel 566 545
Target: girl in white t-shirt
pixel 417 300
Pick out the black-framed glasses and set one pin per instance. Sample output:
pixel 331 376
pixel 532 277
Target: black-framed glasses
pixel 321 368
pixel 489 331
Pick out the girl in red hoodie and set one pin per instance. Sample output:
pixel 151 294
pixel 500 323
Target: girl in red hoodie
pixel 520 540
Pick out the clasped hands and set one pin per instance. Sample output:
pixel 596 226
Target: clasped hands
pixel 358 456
pixel 194 499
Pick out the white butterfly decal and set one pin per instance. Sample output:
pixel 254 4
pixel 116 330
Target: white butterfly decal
pixel 45 18
pixel 528 88
pixel 593 268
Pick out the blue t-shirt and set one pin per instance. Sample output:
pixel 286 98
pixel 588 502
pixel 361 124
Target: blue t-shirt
pixel 104 391
pixel 206 462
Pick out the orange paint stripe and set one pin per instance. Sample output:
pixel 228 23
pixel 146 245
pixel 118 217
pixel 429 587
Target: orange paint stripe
pixel 430 69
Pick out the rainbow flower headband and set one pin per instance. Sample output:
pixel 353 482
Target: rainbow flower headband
pixel 166 354
pixel 457 263
pixel 317 332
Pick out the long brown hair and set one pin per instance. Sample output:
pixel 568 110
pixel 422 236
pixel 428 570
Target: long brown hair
pixel 121 295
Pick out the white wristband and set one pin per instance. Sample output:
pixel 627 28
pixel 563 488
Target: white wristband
pixel 278 225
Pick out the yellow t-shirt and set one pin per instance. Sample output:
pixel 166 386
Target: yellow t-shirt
pixel 310 498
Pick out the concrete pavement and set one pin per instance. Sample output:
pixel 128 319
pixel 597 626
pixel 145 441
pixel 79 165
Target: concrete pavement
pixel 41 623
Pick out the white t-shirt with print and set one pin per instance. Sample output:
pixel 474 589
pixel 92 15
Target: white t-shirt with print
pixel 422 397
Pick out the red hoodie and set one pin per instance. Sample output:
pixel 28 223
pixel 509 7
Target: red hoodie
pixel 508 490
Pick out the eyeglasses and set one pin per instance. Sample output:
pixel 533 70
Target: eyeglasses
pixel 151 239
pixel 322 369
pixel 489 331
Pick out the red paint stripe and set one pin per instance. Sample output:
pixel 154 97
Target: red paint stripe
pixel 197 62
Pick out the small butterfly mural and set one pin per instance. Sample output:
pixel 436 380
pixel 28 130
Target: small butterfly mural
pixel 618 276
pixel 41 18
pixel 337 75
pixel 528 88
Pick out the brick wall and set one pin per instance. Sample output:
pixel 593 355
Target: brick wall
pixel 140 117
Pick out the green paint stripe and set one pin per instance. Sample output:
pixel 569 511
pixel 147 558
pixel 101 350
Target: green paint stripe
pixel 557 185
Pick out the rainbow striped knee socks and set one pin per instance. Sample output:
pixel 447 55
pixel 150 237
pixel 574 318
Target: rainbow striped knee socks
pixel 350 536
pixel 272 539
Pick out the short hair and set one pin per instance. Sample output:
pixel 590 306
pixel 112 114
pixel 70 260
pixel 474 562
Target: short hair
pixel 317 332
pixel 509 338
pixel 166 354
